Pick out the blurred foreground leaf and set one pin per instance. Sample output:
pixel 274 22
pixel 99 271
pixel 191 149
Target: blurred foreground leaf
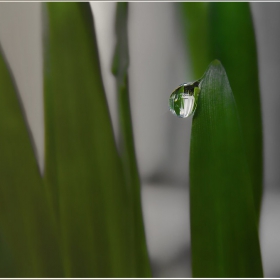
pixel 232 41
pixel 139 261
pixel 83 170
pixel 224 233
pixel 25 224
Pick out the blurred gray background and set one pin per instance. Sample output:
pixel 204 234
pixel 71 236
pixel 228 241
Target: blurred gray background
pixel 158 64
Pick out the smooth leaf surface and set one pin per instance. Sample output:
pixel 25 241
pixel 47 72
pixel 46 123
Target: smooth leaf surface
pixel 224 234
pixel 225 31
pixel 232 41
pixel 139 261
pixel 27 229
pixel 83 169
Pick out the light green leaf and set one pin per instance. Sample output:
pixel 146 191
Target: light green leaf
pixel 224 234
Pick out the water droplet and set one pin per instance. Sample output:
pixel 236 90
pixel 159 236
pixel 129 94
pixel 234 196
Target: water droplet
pixel 183 100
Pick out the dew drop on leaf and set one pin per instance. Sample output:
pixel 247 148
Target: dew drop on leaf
pixel 183 100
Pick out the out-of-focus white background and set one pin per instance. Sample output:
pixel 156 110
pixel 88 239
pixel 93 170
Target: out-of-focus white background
pixel 158 63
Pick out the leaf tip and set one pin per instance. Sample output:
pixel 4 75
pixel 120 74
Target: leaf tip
pixel 216 67
pixel 215 64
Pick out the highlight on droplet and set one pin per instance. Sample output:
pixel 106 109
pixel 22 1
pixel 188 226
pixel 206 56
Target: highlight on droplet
pixel 183 100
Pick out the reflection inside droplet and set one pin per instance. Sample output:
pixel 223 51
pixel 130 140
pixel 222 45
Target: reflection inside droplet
pixel 183 100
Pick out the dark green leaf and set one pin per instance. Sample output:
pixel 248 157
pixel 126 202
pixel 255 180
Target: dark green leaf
pixel 27 229
pixel 224 233
pixel 83 170
pixel 233 43
pixel 139 261
pixel 225 31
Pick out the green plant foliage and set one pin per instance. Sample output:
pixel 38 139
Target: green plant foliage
pixel 224 234
pixel 194 19
pixel 84 218
pixel 139 261
pixel 81 157
pixel 225 31
pixel 27 230
pixel 233 43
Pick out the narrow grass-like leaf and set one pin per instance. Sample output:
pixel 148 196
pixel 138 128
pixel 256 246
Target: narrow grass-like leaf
pixel 25 224
pixel 232 41
pixel 139 261
pixel 224 233
pixel 81 156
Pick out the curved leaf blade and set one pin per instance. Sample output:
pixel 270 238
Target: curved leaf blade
pixel 139 260
pixel 25 221
pixel 224 233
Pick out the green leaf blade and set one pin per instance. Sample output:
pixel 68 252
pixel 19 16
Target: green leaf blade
pixel 139 260
pixel 224 233
pixel 82 161
pixel 26 226
pixel 232 41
